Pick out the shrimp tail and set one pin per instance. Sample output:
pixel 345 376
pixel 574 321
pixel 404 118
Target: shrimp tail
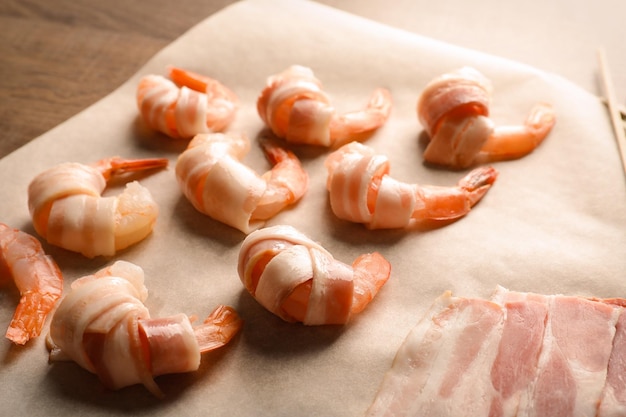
pixel 200 83
pixel 540 121
pixel 477 182
pixel 371 272
pixel 512 142
pixel 380 101
pixel 273 152
pixel 284 161
pixel 358 125
pixel 26 323
pixel 379 108
pixel 287 181
pixel 111 167
pixel 218 328
pixel 37 277
pixel 189 79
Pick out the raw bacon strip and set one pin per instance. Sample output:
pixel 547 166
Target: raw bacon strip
pixel 573 363
pixel 613 401
pixel 520 354
pixel 516 363
pixel 444 363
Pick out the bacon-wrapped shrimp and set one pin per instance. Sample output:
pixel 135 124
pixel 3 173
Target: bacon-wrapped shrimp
pixel 298 280
pixel 362 191
pixel 218 184
pixel 103 325
pixel 294 106
pixel 36 276
pixel 68 210
pixel 454 111
pixel 186 104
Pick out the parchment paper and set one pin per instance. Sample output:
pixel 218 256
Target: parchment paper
pixel 553 222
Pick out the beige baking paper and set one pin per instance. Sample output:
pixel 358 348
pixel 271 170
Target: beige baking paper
pixel 553 222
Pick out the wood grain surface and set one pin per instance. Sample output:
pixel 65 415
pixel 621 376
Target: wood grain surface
pixel 57 57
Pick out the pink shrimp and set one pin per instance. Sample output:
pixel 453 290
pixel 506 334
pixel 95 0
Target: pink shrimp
pixel 295 108
pixel 37 277
pixel 454 110
pixel 362 191
pixel 298 280
pixel 68 210
pixel 218 184
pixel 186 105
pixel 103 325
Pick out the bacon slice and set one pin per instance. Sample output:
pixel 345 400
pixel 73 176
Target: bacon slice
pixel 518 354
pixel 572 366
pixel 444 363
pixel 613 401
pixel 515 365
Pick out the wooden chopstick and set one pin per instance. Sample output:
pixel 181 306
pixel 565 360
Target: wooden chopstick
pixel 616 117
pixel 620 108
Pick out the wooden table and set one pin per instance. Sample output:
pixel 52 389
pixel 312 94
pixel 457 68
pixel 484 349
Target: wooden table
pixel 57 57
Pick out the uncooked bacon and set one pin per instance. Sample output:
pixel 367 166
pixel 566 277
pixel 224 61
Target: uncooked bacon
pixel 517 354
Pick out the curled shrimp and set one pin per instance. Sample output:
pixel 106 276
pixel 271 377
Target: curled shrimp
pixel 362 191
pixel 218 184
pixel 294 107
pixel 103 325
pixel 454 110
pixel 298 280
pixel 68 210
pixel 37 277
pixel 186 104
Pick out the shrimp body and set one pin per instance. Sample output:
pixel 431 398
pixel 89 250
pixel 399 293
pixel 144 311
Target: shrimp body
pixel 68 210
pixel 294 107
pixel 298 280
pixel 218 184
pixel 103 325
pixel 185 104
pixel 362 191
pixel 454 110
pixel 37 277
